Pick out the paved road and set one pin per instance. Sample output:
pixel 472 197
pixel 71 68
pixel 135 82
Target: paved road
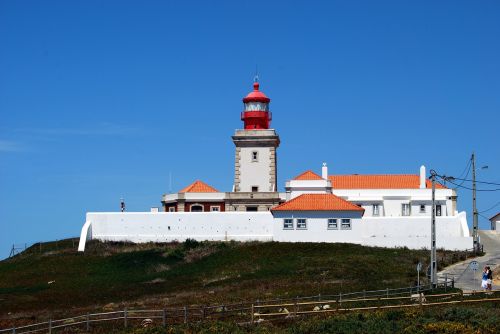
pixel 465 278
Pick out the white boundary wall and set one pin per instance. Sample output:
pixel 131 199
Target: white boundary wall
pixel 412 232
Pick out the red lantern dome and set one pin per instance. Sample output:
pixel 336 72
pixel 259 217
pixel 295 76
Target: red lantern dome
pixel 256 115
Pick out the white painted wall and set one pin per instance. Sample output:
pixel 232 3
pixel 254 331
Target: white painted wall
pixel 390 200
pixel 170 226
pixel 308 187
pixel 317 230
pixel 495 222
pixel 412 232
pixel 255 173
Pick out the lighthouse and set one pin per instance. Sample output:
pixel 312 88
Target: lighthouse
pixel 255 172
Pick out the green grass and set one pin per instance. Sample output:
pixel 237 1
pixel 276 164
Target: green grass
pixel 195 273
pixel 470 319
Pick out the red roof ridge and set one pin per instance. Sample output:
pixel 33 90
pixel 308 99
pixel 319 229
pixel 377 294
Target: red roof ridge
pixel 317 202
pixel 379 181
pixel 198 187
pixel 308 175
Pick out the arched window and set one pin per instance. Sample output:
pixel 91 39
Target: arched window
pixel 196 208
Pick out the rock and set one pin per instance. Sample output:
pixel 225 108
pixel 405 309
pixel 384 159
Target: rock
pixel 326 307
pixel 146 323
pixel 283 310
pixel 316 308
pixel 109 307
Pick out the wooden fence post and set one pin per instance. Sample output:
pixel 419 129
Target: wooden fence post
pixel 251 315
pixel 87 325
pixel 125 317
pixel 14 330
pixel 50 326
pixel 445 282
pixel 203 313
pixel 387 292
pixel 296 305
pixel 185 314
pixel 319 297
pixel 164 317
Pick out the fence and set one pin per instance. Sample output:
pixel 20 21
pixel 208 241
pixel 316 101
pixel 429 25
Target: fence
pixel 243 312
pixel 43 247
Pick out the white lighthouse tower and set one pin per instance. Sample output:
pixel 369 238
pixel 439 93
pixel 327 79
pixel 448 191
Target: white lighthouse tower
pixel 255 172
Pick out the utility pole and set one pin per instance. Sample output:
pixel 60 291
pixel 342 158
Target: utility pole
pixel 433 232
pixel 474 208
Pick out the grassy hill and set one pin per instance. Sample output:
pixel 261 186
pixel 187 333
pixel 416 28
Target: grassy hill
pixel 193 273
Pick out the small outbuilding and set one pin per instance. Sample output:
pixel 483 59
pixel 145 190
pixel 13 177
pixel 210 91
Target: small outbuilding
pixel 495 221
pixel 317 218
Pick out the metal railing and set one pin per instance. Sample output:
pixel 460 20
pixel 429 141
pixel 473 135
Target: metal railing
pixel 240 312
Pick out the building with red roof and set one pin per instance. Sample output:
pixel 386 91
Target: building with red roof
pixel 389 210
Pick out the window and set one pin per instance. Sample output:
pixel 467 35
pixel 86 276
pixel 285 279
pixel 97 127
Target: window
pixel 422 208
pixel 376 209
pixel 288 224
pixel 251 208
pixel 301 224
pixel 255 156
pixel 171 209
pixel 438 210
pixel 196 208
pixel 332 224
pixel 215 208
pixel 405 209
pixel 345 224
pixel 255 189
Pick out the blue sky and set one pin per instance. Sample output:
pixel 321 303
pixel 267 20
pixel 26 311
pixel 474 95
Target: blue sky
pixel 103 99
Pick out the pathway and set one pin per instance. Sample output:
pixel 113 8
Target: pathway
pixel 468 280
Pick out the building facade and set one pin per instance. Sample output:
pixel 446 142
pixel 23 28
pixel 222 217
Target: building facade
pixel 375 210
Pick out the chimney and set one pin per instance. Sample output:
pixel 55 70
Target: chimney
pixel 324 171
pixel 422 177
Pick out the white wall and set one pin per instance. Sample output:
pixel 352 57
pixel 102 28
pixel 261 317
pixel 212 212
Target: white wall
pixel 255 173
pixel 171 226
pixel 317 230
pixel 412 232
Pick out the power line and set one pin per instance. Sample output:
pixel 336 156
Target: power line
pixel 483 216
pixel 457 178
pixel 494 206
pixel 461 186
pixel 467 167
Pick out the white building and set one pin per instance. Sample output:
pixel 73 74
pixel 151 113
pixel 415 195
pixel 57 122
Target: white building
pixel 379 210
pixel 495 222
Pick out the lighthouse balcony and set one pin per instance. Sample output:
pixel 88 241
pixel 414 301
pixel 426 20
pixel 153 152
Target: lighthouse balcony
pixel 257 114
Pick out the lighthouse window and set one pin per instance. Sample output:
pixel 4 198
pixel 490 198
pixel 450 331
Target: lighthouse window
pixel 255 156
pixel 256 106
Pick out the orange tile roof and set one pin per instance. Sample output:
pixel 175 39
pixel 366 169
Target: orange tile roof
pixel 393 181
pixel 317 202
pixel 308 175
pixel 199 187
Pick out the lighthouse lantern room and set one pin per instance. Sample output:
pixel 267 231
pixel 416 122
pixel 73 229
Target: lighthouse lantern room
pixel 256 115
